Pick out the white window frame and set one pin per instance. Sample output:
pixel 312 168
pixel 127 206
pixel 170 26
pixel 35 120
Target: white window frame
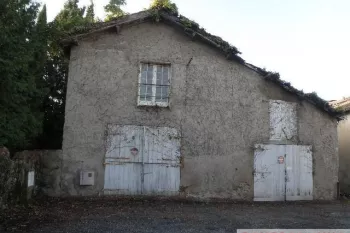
pixel 153 102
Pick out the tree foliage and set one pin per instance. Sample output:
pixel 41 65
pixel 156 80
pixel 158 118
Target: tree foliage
pixel 22 58
pixel 113 9
pixel 164 5
pixel 34 70
pixel 56 70
pixel 90 13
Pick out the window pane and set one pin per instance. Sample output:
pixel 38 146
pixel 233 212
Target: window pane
pixel 149 74
pixel 165 94
pixel 159 76
pixel 165 79
pixel 158 93
pixel 162 94
pixel 149 93
pixel 142 92
pixel 144 77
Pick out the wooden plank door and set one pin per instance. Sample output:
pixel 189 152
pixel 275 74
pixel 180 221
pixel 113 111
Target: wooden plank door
pixel 123 166
pixel 142 160
pixel 269 172
pixel 299 178
pixel 161 161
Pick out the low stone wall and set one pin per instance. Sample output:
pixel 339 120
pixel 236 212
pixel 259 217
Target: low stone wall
pixel 28 173
pixel 16 179
pixel 48 169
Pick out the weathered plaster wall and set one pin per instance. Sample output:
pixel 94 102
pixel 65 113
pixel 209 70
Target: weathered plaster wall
pixel 344 154
pixel 221 109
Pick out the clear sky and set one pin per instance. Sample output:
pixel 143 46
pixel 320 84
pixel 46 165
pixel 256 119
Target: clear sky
pixel 306 41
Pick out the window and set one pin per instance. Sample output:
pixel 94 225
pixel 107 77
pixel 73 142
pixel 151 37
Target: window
pixel 154 84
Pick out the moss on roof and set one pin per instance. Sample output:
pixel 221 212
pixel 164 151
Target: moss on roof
pixel 193 30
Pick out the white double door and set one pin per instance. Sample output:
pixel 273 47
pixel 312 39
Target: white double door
pixel 283 173
pixel 142 160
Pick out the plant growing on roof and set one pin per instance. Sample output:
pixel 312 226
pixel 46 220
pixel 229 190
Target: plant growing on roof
pixel 113 9
pixel 165 5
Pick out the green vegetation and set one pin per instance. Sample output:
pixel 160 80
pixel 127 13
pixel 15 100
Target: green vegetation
pixel 165 5
pixel 34 68
pixel 113 9
pixel 22 58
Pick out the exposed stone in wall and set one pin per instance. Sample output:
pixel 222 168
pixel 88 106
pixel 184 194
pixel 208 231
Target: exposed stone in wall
pixel 14 179
pixel 47 164
pixel 14 175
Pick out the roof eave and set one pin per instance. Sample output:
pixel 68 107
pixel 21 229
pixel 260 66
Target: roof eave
pixel 143 16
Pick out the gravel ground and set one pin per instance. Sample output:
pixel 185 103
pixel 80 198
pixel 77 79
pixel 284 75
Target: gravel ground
pixel 125 215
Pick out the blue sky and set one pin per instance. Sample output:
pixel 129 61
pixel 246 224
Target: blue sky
pixel 306 41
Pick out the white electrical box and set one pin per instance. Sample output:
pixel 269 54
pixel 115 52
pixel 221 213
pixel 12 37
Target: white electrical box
pixel 87 178
pixel 31 178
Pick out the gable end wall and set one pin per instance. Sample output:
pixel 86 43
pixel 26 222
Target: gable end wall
pixel 220 107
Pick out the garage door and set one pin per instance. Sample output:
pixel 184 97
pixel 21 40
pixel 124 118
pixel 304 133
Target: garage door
pixel 142 160
pixel 282 172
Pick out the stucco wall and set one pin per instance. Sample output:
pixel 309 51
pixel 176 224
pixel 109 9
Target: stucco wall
pixel 221 109
pixel 344 154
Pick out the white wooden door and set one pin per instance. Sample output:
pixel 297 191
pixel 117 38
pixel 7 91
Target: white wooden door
pixel 161 161
pixel 123 160
pixel 269 172
pixel 283 172
pixel 142 160
pixel 299 182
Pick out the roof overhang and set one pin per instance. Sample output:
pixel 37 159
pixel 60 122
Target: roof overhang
pixel 230 52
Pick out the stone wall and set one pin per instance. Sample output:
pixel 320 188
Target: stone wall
pixel 48 169
pixel 14 179
pixel 14 173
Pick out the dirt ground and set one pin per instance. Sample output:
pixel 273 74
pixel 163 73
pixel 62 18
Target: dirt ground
pixel 126 215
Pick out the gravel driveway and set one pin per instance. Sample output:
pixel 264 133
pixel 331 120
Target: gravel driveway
pixel 121 215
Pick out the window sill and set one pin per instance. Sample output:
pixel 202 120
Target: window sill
pixel 152 104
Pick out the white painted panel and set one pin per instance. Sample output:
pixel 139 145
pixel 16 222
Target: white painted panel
pixel 269 173
pixel 125 143
pixel 283 120
pixel 31 178
pixel 122 178
pixel 299 178
pixel 162 145
pixel 162 161
pixel 142 160
pixel 161 179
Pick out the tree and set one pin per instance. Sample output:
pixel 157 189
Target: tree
pixel 113 9
pixel 21 87
pixel 90 13
pixel 56 71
